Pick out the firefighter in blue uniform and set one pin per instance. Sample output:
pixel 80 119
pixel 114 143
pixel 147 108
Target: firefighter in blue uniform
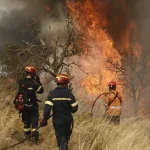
pixel 63 104
pixel 30 118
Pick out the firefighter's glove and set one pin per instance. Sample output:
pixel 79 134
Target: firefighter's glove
pixel 43 123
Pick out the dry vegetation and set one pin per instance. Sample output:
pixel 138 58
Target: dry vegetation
pixel 88 134
pixel 50 55
pixel 133 73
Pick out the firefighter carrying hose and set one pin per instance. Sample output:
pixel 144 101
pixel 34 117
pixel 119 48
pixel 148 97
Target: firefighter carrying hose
pixel 63 104
pixel 113 103
pixel 26 102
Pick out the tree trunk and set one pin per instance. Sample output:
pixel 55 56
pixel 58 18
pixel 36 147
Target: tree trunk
pixel 135 103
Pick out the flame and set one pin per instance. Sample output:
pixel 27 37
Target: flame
pixel 92 14
pixel 93 84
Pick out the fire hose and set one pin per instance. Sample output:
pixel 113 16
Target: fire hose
pixel 116 95
pixel 20 141
pixel 24 138
pixel 36 130
pixel 52 134
pixel 96 100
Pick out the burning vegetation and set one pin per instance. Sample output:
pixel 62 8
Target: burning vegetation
pixel 94 42
pixel 116 49
pixel 96 39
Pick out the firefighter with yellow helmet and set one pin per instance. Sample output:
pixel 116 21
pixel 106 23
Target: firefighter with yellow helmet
pixel 113 103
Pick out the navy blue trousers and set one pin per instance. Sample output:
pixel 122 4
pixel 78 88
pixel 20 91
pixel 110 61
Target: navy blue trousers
pixel 62 132
pixel 30 120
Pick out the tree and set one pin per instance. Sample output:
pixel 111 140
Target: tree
pixel 51 58
pixel 134 72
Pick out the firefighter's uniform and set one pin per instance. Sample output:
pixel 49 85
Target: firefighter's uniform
pixel 30 119
pixel 113 103
pixel 63 103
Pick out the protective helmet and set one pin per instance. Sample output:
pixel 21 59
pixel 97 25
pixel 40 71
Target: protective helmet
pixel 62 78
pixel 112 83
pixel 30 69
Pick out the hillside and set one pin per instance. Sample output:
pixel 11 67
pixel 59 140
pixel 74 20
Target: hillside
pixel 89 133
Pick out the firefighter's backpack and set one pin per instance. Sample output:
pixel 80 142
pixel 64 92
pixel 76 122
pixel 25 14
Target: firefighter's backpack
pixel 23 102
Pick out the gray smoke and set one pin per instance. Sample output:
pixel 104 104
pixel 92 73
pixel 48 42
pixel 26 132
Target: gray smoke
pixel 14 13
pixel 138 11
pixel 121 13
pixel 143 15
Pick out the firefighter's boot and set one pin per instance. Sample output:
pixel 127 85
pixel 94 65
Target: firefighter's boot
pixel 35 137
pixel 27 134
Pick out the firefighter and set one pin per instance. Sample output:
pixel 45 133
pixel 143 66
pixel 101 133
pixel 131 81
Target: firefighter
pixel 30 116
pixel 63 104
pixel 113 103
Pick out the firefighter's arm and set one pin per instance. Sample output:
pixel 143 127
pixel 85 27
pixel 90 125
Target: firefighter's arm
pixel 38 84
pixel 74 104
pixel 40 88
pixel 47 110
pixel 48 107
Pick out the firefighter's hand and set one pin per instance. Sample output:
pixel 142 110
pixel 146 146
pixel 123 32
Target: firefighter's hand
pixel 43 123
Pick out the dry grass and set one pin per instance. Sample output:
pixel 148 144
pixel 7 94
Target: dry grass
pixel 97 134
pixel 7 124
pixel 90 133
pixel 7 91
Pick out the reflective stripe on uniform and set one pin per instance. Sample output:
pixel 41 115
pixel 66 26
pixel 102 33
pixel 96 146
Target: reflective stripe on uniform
pixel 49 103
pixel 27 129
pixel 34 129
pixel 115 107
pixel 67 99
pixel 30 88
pixel 74 104
pixel 39 88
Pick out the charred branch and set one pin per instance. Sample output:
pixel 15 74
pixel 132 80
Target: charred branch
pixel 49 58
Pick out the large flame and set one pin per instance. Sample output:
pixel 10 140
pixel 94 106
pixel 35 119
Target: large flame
pixel 93 15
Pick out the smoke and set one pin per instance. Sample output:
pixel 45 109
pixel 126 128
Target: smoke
pixel 130 19
pixel 6 17
pixel 125 22
pixel 5 11
pixel 143 16
pixel 13 15
pixel 120 16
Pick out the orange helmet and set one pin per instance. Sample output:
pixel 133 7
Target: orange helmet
pixel 112 83
pixel 30 69
pixel 62 78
